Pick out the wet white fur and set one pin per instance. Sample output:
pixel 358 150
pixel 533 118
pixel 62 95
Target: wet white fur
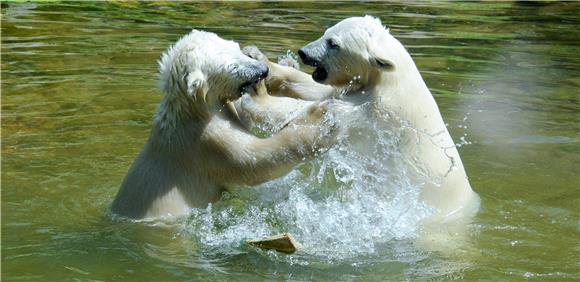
pixel 196 149
pixel 372 65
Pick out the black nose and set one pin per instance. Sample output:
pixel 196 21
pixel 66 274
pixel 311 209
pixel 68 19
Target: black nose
pixel 302 54
pixel 307 59
pixel 264 74
pixel 261 70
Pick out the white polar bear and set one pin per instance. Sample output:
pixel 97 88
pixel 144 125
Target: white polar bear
pixel 364 63
pixel 197 149
pixel 282 96
pixel 359 55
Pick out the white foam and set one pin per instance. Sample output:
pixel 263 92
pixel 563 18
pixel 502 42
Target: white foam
pixel 347 203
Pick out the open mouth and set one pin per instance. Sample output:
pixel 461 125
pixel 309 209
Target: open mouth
pixel 250 87
pixel 320 74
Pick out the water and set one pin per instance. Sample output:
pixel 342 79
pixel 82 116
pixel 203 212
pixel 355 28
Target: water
pixel 79 91
pixel 345 204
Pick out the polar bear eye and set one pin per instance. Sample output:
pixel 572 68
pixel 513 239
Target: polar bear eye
pixel 332 44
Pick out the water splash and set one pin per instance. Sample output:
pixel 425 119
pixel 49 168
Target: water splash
pixel 289 59
pixel 348 203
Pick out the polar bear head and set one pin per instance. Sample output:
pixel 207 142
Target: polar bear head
pixel 202 71
pixel 354 49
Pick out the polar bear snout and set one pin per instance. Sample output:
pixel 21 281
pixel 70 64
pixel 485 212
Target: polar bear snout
pixel 264 72
pixel 261 69
pixel 306 58
pixel 311 55
pixel 256 71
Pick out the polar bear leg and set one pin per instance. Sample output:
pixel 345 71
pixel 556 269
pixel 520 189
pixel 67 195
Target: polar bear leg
pixel 267 113
pixel 287 81
pixel 241 157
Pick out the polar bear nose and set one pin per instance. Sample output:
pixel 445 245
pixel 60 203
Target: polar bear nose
pixel 264 73
pixel 307 59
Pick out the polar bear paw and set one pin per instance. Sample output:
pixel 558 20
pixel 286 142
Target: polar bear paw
pixel 318 125
pixel 289 59
pixel 253 52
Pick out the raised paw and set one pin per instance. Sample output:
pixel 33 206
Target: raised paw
pixel 326 134
pixel 253 52
pixel 311 114
pixel 320 114
pixel 326 109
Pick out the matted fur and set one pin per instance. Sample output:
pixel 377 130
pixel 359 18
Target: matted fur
pixel 363 62
pixel 197 149
pixel 360 56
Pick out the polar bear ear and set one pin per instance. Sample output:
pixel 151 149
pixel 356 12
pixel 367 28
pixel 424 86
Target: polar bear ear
pixel 382 63
pixel 196 86
pixel 379 57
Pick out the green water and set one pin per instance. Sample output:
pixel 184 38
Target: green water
pixel 79 89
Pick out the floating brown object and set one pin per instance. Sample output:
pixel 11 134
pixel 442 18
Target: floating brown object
pixel 282 243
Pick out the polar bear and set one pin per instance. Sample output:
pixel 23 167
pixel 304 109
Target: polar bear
pixel 359 61
pixel 359 55
pixel 197 148
pixel 278 98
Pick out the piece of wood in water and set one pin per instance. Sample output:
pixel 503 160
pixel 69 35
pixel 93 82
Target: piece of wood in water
pixel 282 243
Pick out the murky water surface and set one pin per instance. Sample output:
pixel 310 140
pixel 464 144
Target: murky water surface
pixel 79 89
